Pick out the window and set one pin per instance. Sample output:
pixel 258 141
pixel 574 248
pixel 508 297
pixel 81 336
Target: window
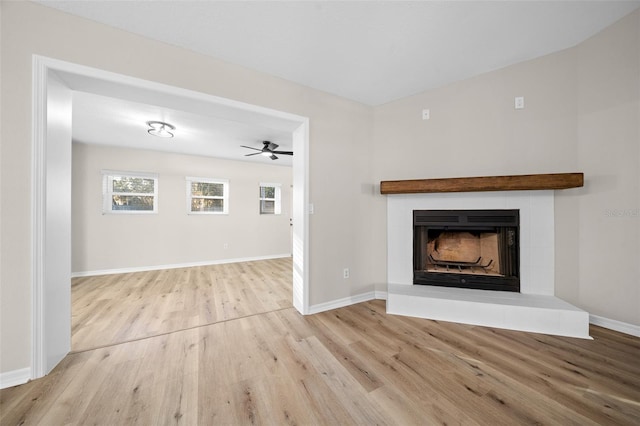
pixel 207 196
pixel 129 192
pixel 270 198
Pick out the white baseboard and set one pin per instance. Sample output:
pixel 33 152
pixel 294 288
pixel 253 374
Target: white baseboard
pixel 381 295
pixel 174 266
pixel 615 325
pixel 15 378
pixel 341 303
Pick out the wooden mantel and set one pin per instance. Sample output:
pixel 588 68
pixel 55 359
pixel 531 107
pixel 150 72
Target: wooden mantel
pixel 484 183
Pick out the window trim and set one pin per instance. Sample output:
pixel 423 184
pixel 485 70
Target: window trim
pixel 107 191
pixel 224 198
pixel 277 207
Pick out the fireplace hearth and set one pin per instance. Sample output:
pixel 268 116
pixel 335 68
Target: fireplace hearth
pixel 476 249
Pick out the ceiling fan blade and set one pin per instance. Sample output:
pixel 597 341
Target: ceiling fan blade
pixel 269 148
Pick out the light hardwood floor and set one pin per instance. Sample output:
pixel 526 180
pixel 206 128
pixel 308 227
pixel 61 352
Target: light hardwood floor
pixel 119 308
pixel 354 365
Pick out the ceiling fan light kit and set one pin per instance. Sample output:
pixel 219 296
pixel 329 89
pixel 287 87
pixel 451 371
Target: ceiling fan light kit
pixel 160 129
pixel 268 150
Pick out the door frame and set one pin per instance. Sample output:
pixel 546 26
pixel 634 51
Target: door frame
pixel 42 307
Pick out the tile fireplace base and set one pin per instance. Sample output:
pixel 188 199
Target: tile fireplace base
pixel 514 311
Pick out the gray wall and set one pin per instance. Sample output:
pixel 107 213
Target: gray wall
pixel 116 241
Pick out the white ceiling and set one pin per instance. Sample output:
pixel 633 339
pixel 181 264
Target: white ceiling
pixel 105 120
pixel 369 51
pixel 372 52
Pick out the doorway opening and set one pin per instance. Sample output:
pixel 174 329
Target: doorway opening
pixel 53 82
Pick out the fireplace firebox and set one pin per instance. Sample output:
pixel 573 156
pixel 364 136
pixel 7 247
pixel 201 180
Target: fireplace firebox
pixel 476 249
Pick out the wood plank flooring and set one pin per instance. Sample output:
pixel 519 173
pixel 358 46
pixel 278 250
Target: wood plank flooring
pixel 118 308
pixel 354 365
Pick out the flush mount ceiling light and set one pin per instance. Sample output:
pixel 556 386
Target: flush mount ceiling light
pixel 160 129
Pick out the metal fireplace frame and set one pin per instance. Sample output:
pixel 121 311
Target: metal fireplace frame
pixel 504 222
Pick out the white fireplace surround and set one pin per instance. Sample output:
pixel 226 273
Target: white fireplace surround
pixel 534 309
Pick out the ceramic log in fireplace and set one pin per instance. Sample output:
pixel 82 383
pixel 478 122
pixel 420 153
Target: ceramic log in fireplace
pixel 476 249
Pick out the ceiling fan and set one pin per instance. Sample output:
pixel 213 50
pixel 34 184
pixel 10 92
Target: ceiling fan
pixel 268 150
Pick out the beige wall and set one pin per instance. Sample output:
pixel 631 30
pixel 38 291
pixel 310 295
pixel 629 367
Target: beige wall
pixel 581 114
pixel 608 210
pixel 115 241
pixel 575 119
pixel 340 131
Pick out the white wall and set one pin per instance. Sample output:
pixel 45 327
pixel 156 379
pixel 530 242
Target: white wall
pixel 56 300
pixel 581 115
pixel 116 241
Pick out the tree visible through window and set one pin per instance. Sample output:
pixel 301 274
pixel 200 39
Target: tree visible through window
pixel 270 198
pixel 129 192
pixel 207 195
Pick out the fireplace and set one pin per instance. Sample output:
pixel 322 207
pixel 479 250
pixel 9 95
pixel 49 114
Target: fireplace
pixel 534 308
pixel 477 249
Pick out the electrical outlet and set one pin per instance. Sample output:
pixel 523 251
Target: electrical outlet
pixel 426 114
pixel 345 273
pixel 519 102
pixel 225 246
